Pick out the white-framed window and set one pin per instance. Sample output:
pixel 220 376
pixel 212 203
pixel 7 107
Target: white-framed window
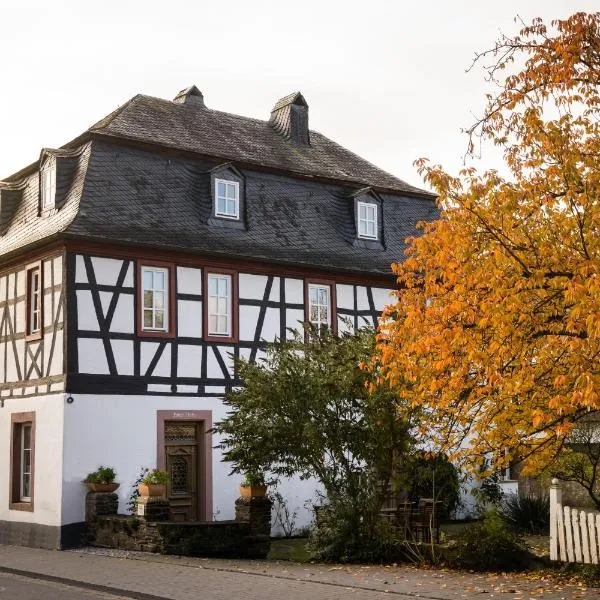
pixel 219 304
pixel 319 304
pixel 25 463
pixel 227 199
pixel 34 300
pixel 367 220
pixel 155 298
pixel 48 185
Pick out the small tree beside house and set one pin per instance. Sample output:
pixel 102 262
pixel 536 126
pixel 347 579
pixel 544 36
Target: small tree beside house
pixel 310 410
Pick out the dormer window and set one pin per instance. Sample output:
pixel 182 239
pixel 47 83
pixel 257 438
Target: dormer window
pixel 367 221
pixel 48 187
pixel 227 199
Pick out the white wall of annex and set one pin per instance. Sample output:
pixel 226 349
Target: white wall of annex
pixel 47 459
pixel 120 431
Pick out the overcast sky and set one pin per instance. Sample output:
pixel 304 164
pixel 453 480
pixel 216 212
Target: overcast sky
pixel 384 78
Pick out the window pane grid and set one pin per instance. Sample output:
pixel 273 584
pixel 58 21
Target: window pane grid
pixel 35 301
pixel 48 187
pixel 25 479
pixel 318 299
pixel 227 199
pixel 154 299
pixel 219 305
pixel 367 220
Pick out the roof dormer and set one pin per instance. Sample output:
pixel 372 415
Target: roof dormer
pixel 56 173
pixel 368 218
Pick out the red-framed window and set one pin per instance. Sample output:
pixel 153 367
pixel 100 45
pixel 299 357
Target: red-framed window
pixel 22 461
pixel 155 299
pixel 320 303
pixel 34 318
pixel 220 305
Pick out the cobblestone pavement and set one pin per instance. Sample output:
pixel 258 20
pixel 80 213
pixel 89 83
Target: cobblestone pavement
pixel 16 587
pixel 154 577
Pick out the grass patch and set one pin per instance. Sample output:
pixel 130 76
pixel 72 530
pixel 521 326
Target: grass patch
pixel 292 549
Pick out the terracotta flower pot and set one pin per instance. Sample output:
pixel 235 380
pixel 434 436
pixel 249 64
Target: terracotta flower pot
pixel 253 491
pixel 153 489
pixel 101 487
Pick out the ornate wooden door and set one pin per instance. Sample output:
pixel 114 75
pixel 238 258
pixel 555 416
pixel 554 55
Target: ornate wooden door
pixel 181 460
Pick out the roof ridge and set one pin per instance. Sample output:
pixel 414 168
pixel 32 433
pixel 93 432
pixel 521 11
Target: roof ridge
pixel 328 159
pixel 110 117
pixel 416 189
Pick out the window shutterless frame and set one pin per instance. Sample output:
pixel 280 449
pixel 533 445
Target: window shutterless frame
pixel 227 199
pixel 214 307
pixel 315 285
pixel 48 187
pixel 34 301
pixel 219 297
pixel 22 462
pixel 155 299
pixel 367 220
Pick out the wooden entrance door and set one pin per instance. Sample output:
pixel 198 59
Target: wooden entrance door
pixel 182 446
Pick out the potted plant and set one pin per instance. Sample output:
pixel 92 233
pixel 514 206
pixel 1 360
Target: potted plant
pixel 101 480
pixel 154 483
pixel 254 485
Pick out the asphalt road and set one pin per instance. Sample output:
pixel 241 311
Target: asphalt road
pixel 15 587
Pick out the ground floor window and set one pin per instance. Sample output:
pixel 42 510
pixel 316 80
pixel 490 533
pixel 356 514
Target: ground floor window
pixel 22 453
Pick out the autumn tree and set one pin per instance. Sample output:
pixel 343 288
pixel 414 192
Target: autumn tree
pixel 495 329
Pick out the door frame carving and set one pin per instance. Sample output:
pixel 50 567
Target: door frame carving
pixel 205 481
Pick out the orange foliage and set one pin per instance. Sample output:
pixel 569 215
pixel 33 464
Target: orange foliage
pixel 495 330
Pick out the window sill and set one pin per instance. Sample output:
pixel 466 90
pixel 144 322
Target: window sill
pixel 24 506
pixel 156 334
pixel 222 339
pixel 34 337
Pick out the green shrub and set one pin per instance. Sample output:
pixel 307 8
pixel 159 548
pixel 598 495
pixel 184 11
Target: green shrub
pixel 526 514
pixel 337 538
pixel 488 545
pixel 428 476
pixel 156 477
pixel 102 474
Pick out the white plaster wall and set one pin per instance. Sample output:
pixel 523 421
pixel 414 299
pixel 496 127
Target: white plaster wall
pixel 120 431
pixel 189 280
pixel 48 458
pixel 247 322
pixel 107 271
pixel 381 298
pixel 345 296
pixel 251 287
pixel 294 291
pixel 300 497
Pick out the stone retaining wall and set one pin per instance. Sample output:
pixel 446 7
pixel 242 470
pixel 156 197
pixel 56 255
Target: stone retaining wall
pixel 246 537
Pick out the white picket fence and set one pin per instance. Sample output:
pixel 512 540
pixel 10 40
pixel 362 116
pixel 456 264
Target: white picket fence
pixel 574 533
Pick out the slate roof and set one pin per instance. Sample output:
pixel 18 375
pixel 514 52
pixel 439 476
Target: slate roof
pixel 299 199
pixel 193 127
pixel 138 197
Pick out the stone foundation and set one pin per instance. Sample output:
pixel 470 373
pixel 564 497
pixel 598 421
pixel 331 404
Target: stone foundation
pixel 227 539
pixel 246 537
pixel 100 503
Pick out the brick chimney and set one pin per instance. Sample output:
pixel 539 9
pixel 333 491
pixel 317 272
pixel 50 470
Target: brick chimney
pixel 289 117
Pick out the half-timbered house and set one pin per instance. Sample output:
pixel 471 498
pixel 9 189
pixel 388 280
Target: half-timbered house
pixel 140 257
